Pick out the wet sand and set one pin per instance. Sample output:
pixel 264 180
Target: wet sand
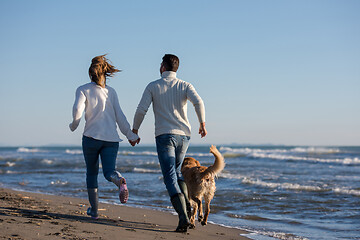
pixel 26 215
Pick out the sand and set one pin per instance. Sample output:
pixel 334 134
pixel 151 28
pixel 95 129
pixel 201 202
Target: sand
pixel 26 215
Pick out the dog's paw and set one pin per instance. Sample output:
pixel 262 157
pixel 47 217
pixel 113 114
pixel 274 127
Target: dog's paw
pixel 203 223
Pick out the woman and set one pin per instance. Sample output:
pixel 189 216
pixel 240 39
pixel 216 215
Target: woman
pixel 100 137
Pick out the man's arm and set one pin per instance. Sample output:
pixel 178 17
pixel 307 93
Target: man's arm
pixel 198 103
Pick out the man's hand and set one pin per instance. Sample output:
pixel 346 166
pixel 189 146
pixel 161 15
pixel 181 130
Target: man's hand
pixel 133 143
pixel 202 130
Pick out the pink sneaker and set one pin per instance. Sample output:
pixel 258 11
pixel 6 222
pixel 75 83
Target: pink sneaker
pixel 123 191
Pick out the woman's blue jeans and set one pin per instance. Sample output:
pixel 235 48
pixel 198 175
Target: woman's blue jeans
pixel 92 149
pixel 171 150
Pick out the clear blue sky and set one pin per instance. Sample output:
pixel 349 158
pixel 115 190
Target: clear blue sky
pixel 279 72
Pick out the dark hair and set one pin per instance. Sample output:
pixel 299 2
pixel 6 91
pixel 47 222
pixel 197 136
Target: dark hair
pixel 100 67
pixel 171 62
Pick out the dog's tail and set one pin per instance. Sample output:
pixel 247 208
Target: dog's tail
pixel 218 165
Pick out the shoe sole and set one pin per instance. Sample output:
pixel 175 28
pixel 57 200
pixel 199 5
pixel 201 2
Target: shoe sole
pixel 123 191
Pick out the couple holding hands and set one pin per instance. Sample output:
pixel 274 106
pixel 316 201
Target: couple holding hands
pixel 169 96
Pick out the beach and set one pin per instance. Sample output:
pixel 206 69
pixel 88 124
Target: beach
pixel 25 215
pixel 273 192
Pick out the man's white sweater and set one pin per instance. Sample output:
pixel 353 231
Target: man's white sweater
pixel 169 96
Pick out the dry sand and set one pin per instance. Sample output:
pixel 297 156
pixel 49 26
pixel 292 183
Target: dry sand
pixel 26 215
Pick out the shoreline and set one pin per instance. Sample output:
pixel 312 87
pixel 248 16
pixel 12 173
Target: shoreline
pixel 28 215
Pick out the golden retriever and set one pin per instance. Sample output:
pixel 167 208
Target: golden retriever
pixel 201 184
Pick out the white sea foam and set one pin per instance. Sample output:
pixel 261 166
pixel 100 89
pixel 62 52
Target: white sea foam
pixel 58 182
pixel 144 170
pixel 68 151
pixel 290 186
pixel 247 150
pixel 143 153
pixel 312 159
pixel 315 150
pixel 283 154
pixel 310 150
pixel 257 234
pixel 10 164
pixel 346 191
pixel 267 235
pixel 29 150
pixel 47 161
pixel 199 155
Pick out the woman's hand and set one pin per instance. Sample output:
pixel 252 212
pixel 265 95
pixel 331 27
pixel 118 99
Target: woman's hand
pixel 133 143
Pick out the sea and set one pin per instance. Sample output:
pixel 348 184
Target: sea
pixel 273 192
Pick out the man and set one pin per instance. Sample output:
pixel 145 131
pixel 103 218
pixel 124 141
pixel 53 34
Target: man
pixel 169 97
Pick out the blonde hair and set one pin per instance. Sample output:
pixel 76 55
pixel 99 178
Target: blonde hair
pixel 100 69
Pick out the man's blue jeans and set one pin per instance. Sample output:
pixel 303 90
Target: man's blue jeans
pixel 92 149
pixel 171 150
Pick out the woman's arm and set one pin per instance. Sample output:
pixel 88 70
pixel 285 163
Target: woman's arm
pixel 142 108
pixel 78 109
pixel 122 122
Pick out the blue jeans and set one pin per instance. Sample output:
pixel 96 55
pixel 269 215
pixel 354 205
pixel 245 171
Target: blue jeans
pixel 92 149
pixel 171 150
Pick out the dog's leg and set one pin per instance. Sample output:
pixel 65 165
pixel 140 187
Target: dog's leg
pixel 207 210
pixel 193 213
pixel 201 214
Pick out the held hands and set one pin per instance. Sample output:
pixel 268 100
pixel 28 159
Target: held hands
pixel 202 130
pixel 133 143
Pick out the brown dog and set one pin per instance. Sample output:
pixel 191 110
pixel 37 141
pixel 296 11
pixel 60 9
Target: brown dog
pixel 201 184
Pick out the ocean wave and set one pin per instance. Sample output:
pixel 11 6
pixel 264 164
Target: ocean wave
pixel 315 150
pixel 255 234
pixel 309 150
pixel 247 217
pixel 290 186
pixel 347 191
pixel 345 161
pixel 60 183
pixel 143 153
pixel 258 182
pixel 75 152
pixel 151 153
pixel 284 154
pixel 10 164
pixel 145 170
pixel 29 150
pixel 47 161
pixel 199 155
